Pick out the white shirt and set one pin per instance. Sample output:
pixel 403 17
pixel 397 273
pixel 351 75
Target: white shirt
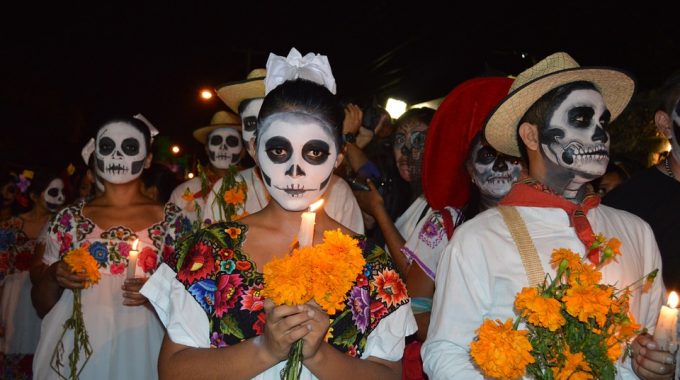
pixel 481 271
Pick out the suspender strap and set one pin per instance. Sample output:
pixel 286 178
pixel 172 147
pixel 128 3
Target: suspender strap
pixel 527 250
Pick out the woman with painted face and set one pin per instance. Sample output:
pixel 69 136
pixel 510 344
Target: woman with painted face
pixel 298 144
pixel 19 323
pixel 125 334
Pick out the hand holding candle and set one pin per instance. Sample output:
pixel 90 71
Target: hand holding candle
pixel 132 260
pixel 306 233
pixel 666 331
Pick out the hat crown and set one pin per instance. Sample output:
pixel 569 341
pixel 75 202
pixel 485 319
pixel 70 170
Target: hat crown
pixel 257 74
pixel 548 65
pixel 224 117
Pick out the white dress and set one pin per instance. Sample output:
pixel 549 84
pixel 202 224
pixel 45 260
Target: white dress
pixel 125 340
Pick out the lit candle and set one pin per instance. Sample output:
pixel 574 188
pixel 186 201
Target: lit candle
pixel 132 260
pixel 306 234
pixel 666 331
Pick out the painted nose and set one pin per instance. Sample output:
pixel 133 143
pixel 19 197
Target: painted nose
pixel 295 171
pixel 500 165
pixel 405 150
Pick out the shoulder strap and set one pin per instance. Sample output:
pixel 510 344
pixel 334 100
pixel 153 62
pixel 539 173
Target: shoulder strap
pixel 527 250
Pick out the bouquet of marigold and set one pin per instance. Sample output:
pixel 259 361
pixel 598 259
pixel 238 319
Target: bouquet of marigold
pixel 324 273
pixel 81 261
pixel 575 327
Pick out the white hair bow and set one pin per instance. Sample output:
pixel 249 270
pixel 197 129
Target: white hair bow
pixel 314 67
pixel 152 130
pixel 87 150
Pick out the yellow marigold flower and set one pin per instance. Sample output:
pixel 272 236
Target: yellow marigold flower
pixel 286 280
pixel 540 311
pixel 585 274
pixel 81 261
pixel 614 348
pixel 575 367
pixel 234 196
pixel 500 351
pixel 584 302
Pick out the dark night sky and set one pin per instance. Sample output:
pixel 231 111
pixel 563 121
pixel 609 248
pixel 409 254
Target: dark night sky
pixel 66 67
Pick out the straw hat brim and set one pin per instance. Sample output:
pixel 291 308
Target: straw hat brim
pixel 232 94
pixel 616 87
pixel 201 134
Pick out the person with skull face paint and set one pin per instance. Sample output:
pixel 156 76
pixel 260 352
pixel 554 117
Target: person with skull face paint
pixel 246 97
pixel 224 147
pixel 298 146
pixel 556 115
pixel 654 194
pixel 19 323
pixel 124 332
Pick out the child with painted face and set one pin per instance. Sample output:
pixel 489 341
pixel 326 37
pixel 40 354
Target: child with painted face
pixel 19 323
pixel 298 145
pixel 124 333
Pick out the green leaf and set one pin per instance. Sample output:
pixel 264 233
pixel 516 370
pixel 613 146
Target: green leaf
pixel 229 326
pixel 347 338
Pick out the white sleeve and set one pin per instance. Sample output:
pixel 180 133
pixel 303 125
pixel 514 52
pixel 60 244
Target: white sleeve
pixel 388 339
pixel 461 301
pixel 184 319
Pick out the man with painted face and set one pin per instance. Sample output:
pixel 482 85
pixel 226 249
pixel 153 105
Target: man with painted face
pixel 125 335
pixel 19 323
pixel 224 147
pixel 555 115
pixel 654 194
pixel 246 98
pixel 298 145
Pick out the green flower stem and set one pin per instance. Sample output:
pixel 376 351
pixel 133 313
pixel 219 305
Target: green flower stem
pixel 81 341
pixel 293 367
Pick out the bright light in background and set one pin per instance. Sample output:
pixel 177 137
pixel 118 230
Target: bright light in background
pixel 395 107
pixel 175 149
pixel 206 94
pixel 190 175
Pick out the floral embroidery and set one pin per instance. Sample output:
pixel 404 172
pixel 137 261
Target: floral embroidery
pixel 100 253
pixel 432 232
pixel 148 260
pixel 225 283
pixel 16 249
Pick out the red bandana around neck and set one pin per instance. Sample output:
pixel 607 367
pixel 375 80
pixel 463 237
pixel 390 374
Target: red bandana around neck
pixel 531 193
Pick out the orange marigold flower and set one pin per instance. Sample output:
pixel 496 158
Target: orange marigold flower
pixel 188 195
pixel 584 302
pixel 539 310
pixel 234 196
pixel 81 261
pixel 573 260
pixel 575 367
pixel 500 351
pixel 585 274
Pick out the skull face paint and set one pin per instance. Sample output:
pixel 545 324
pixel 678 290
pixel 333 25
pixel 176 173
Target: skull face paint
pixel 409 143
pixel 120 153
pixel 224 147
pixel 493 172
pixel 54 194
pixel 574 136
pixel 297 155
pixel 675 144
pixel 249 121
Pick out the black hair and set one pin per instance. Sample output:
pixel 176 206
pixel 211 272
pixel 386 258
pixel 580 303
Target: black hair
pixel 669 93
pixel 423 115
pixel 544 107
pixel 306 97
pixel 162 178
pixel 135 123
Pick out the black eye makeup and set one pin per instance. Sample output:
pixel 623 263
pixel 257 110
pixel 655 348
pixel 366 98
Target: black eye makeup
pixel 130 146
pixel 580 117
pixel 215 140
pixel 486 155
pixel 232 141
pixel 316 152
pixel 279 149
pixel 106 146
pixel 250 123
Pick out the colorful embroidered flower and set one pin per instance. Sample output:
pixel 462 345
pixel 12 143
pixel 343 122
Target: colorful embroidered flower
pixel 65 241
pixel 124 248
pixel 243 265
pixel 100 252
pixel 252 299
pixel 117 268
pixel 148 259
pixel 228 292
pixel 198 264
pixel 258 326
pixel 500 351
pixel 352 351
pixel 204 293
pixel 359 302
pixel 216 340
pixel 233 232
pixel 227 266
pixel 391 288
pixel 378 310
pixel 362 280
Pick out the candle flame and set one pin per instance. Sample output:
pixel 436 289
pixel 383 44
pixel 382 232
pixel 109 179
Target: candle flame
pixel 315 205
pixel 673 300
pixel 134 244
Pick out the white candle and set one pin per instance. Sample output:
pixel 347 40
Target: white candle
pixel 132 260
pixel 666 331
pixel 306 233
